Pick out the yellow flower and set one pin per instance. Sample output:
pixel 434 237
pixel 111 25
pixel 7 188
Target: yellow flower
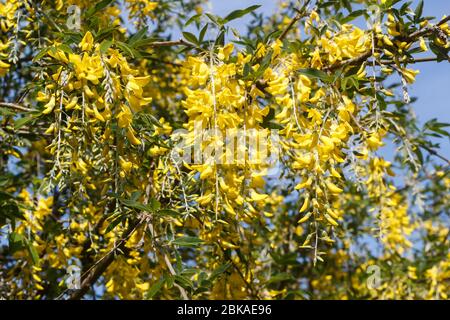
pixel 410 75
pixel 49 106
pixel 423 45
pixel 333 188
pixel 224 53
pixel 125 117
pixel 134 92
pixel 132 138
pixel 374 141
pixel 87 42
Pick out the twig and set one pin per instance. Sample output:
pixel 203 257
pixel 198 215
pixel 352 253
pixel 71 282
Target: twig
pixel 348 62
pixel 173 272
pixel 427 29
pixel 101 265
pixel 435 153
pixel 14 106
pixel 367 54
pixel 180 42
pixel 247 284
pixel 51 21
pixel 411 61
pixel 165 62
pixel 300 14
pixel 426 177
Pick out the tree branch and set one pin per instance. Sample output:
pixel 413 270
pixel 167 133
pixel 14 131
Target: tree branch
pixel 427 29
pixel 300 14
pixel 348 62
pixel 93 273
pixel 14 106
pixel 368 54
pixel 435 153
pixel 411 61
pixel 180 42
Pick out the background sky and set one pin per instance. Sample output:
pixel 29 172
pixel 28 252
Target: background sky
pixel 432 87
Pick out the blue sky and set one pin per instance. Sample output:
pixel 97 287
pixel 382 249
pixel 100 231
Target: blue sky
pixel 432 87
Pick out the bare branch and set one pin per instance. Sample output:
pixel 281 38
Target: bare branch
pixel 435 153
pixel 14 106
pixel 300 14
pixel 180 42
pixel 348 62
pixel 412 61
pixel 93 273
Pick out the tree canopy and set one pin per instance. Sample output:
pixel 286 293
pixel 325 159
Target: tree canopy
pixel 166 155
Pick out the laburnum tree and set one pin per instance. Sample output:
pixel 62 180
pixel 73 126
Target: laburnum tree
pixel 95 97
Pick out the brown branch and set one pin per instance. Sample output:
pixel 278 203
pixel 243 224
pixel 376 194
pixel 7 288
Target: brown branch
pixel 412 61
pixel 101 265
pixel 435 153
pixel 180 42
pixel 165 62
pixel 300 14
pixel 348 62
pixel 14 106
pixel 84 257
pixel 26 132
pixel 428 29
pixel 426 177
pixel 445 20
pixel 251 290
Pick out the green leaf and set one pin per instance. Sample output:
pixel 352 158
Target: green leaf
pixel 220 40
pixel 154 204
pixel 41 53
pixel 440 52
pixel 202 33
pixel 139 206
pixel 240 13
pixel 190 37
pixel 187 241
pixel 114 223
pixel 19 123
pixel 418 12
pixel 150 119
pixel 99 6
pixel 215 19
pixel 137 36
pixel 19 242
pixel 105 33
pixel 105 45
pixel 192 19
pixel 280 277
pixel 65 48
pixel 352 16
pixel 219 270
pixel 33 253
pixel 247 70
pixel 264 65
pixel 183 281
pixel 314 73
pixel 6 112
pixel 9 209
pixel 169 212
pixel 126 49
pixel 169 281
pixel 16 241
pixel 5 196
pixel 154 289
